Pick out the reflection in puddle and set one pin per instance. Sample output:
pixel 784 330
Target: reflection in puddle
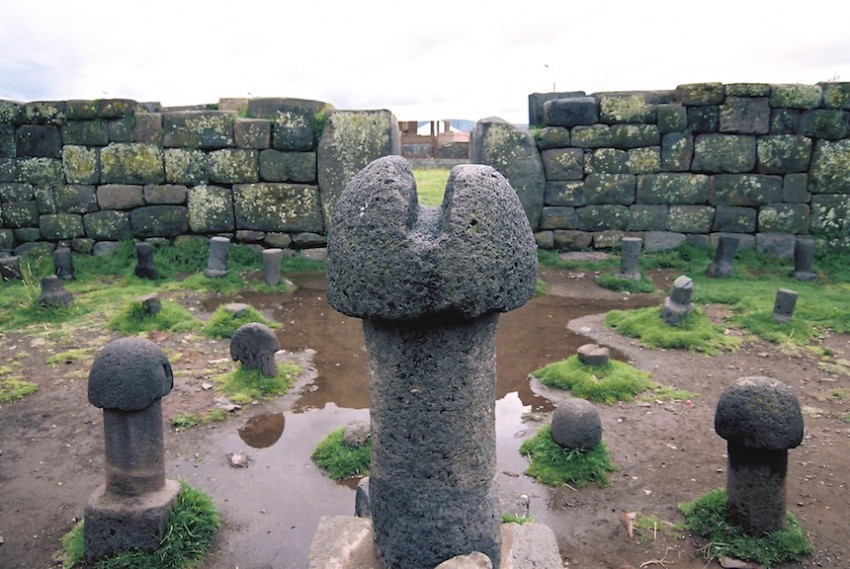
pixel 262 431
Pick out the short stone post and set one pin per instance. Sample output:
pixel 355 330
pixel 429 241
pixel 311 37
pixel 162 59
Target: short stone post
pixel 127 380
pixel 429 284
pixel 760 419
pixel 10 267
pixel 804 259
pixel 217 261
pixel 53 293
pixel 678 304
pixel 593 355
pixel 629 257
pixel 271 266
pixel 254 346
pixel 783 305
pixel 151 305
pixel 145 269
pixel 722 266
pixel 63 263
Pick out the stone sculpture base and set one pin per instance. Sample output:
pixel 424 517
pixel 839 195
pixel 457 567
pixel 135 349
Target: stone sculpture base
pixel 114 524
pixel 345 542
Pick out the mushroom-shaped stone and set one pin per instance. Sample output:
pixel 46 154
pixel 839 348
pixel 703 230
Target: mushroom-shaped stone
pixel 254 346
pixel 356 434
pixel 390 258
pixel 576 424
pixel 129 374
pixel 760 419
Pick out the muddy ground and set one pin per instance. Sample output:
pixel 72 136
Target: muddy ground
pixel 51 443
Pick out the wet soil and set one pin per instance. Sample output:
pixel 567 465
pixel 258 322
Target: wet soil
pixel 51 443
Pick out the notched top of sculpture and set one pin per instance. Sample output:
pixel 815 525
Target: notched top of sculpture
pixel 129 374
pixel 390 258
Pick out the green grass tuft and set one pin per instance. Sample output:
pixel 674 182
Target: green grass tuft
pixel 695 332
pixel 431 185
pixel 222 324
pixel 133 319
pixel 244 386
pixel 554 465
pixel 708 517
pixel 188 535
pixel 616 381
pixel 339 460
pixel 623 284
pixel 15 388
pixel 509 518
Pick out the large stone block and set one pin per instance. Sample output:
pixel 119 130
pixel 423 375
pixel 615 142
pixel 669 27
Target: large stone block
pixel 673 188
pixel 783 153
pixel 795 188
pixel 602 217
pixel 252 133
pixel 41 171
pixel 45 199
pixel 609 189
pixel 746 189
pixel 513 153
pixel 704 119
pixel 119 196
pixel 234 166
pixel 351 140
pixel 592 136
pixel 277 166
pixel 654 241
pixel 74 198
pixel 85 133
pixel 269 107
pixel 561 164
pixel 571 239
pixel 830 170
pixel 830 124
pixel 560 217
pixel 569 193
pixel 15 192
pixel 8 148
pixel 18 215
pixel 38 141
pixel 295 129
pixel 570 112
pixel 690 218
pixel 671 117
pixel 745 115
pixel 647 217
pixel 734 219
pixel 45 112
pixel 174 194
pixel 748 89
pixel 159 221
pixel 677 150
pixel 210 209
pixel 779 245
pixel 121 130
pixel 836 95
pixel 81 109
pixel 8 170
pixel 277 207
pixel 796 96
pixel 81 164
pixel 61 226
pixel 553 137
pixel 645 160
pixel 631 107
pixel 785 121
pixel 634 135
pixel 183 166
pixel 724 153
pixel 115 108
pixel 108 225
pixel 698 94
pixel 606 161
pixel 830 214
pixel 198 129
pixel 132 163
pixel 11 113
pixel 537 101
pixel 148 128
pixel 784 218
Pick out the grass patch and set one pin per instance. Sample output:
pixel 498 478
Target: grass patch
pixel 708 517
pixel 648 526
pixel 695 332
pixel 188 534
pixel 615 381
pixel 133 319
pixel 612 281
pixel 666 393
pixel 431 185
pixel 15 388
pixel 339 460
pixel 243 386
pixel 222 323
pixel 509 518
pixel 541 288
pixel 68 356
pixel 188 420
pixel 553 465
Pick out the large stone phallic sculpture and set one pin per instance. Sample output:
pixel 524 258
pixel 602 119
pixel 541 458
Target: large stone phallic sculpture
pixel 429 284
pixel 127 380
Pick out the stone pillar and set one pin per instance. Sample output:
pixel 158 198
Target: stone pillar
pixel 783 305
pixel 804 258
pixel 722 265
pixel 53 293
pixel 217 261
pixel 63 263
pixel 10 267
pixel 127 380
pixel 678 304
pixel 145 269
pixel 271 266
pixel 760 418
pixel 629 257
pixel 428 284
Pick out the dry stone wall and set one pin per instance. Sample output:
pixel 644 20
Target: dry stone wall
pixel 90 173
pixel 758 161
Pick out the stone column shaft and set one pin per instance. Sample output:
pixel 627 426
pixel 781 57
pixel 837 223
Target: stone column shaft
pixel 135 462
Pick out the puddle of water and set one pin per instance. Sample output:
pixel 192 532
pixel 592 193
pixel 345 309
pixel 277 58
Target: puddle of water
pixel 278 500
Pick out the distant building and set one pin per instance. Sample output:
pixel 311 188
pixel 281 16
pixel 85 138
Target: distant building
pixel 443 141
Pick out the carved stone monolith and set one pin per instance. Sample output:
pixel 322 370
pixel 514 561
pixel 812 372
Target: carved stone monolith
pixel 429 284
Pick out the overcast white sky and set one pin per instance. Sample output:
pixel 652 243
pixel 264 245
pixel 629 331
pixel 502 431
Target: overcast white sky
pixel 432 59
